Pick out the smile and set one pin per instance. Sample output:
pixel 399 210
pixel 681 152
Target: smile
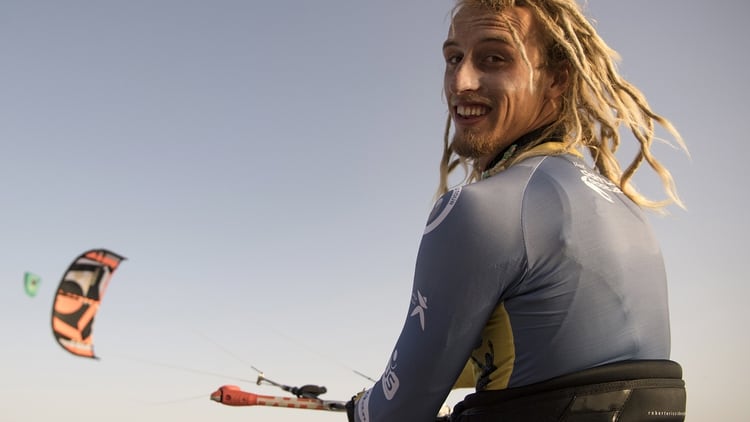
pixel 471 110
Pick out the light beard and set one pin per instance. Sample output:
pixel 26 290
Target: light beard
pixel 472 144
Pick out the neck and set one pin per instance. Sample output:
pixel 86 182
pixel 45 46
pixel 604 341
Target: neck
pixel 521 142
pixel 525 142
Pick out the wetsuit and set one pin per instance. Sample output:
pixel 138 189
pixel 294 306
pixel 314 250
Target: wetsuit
pixel 542 270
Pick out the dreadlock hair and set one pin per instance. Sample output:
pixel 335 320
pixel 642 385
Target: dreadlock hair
pixel 598 101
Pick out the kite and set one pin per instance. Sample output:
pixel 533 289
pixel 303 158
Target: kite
pixel 78 297
pixel 31 283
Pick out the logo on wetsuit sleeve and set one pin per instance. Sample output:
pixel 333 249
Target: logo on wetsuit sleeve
pixel 597 183
pixel 420 303
pixel 442 207
pixel 390 379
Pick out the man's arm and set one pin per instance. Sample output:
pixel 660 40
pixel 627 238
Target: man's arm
pixel 457 284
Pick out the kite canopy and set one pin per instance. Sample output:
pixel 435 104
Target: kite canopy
pixel 31 283
pixel 78 297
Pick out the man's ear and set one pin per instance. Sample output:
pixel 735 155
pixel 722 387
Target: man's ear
pixel 559 81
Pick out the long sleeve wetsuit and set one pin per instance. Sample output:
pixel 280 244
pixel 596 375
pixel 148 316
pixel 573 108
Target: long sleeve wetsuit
pixel 544 269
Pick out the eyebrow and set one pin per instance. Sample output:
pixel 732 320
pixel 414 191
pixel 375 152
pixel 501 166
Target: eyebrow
pixel 494 39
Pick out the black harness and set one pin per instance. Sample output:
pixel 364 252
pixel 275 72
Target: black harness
pixel 630 391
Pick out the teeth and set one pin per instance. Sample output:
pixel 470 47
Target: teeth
pixel 469 111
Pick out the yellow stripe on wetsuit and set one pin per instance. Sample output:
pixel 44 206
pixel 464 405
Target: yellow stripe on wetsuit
pixel 491 364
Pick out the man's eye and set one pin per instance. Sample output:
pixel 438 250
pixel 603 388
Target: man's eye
pixel 494 58
pixel 455 59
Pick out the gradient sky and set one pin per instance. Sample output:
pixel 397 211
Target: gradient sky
pixel 267 169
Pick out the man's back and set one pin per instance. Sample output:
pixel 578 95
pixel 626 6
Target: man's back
pixel 537 272
pixel 593 287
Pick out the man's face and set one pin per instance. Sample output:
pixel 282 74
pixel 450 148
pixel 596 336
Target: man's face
pixel 494 95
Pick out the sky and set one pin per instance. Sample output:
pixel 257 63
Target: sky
pixel 267 169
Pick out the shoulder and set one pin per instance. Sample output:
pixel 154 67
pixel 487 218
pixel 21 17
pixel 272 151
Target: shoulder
pixel 492 203
pixel 570 178
pixel 500 201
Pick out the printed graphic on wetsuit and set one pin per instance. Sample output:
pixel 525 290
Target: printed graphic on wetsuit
pixel 596 182
pixel 420 304
pixel 442 208
pixel 390 379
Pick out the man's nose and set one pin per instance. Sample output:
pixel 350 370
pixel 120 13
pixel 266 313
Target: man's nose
pixel 465 78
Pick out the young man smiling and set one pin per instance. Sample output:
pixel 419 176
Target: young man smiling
pixel 496 91
pixel 538 281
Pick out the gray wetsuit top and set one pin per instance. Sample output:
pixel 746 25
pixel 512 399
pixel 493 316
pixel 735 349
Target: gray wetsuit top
pixel 544 269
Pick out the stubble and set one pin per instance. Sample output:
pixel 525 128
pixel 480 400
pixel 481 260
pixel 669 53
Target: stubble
pixel 472 144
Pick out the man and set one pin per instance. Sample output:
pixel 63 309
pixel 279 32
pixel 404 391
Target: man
pixel 538 282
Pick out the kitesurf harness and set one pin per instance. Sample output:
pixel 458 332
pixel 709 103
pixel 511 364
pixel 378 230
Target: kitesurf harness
pixel 628 391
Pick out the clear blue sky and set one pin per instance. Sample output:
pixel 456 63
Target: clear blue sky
pixel 267 169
